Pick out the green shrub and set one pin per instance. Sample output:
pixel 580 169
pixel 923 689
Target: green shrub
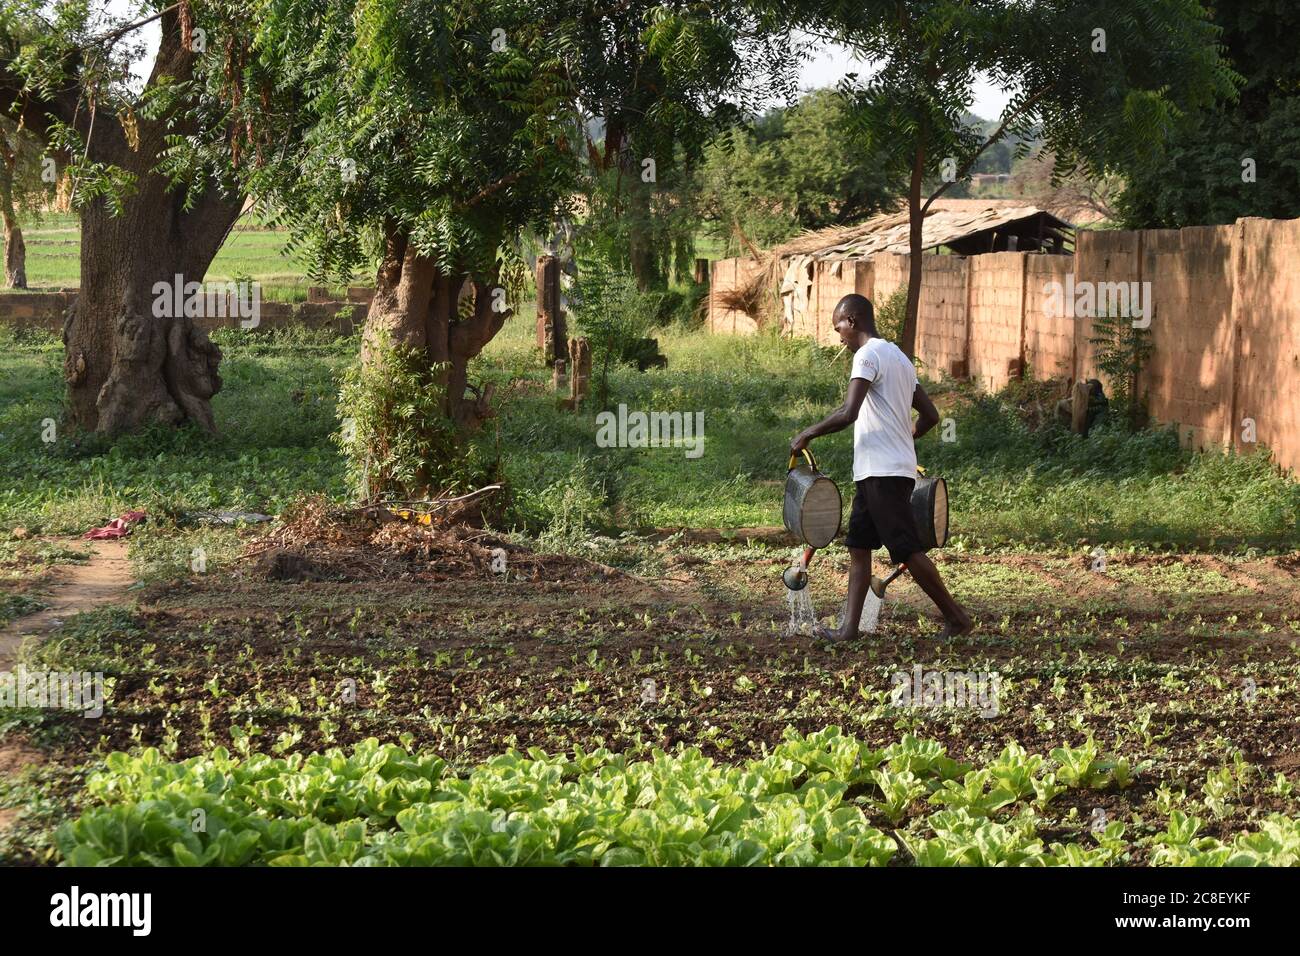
pixel 890 316
pixel 396 437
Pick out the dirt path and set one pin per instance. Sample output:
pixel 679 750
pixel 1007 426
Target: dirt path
pixel 78 587
pixel 83 586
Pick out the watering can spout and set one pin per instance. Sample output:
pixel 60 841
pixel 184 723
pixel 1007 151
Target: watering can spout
pixel 879 584
pixel 796 576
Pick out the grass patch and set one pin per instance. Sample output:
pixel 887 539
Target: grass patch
pixel 277 411
pixel 275 415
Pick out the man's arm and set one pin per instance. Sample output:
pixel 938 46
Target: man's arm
pixel 929 415
pixel 841 418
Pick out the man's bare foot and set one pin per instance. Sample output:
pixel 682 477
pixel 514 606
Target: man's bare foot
pixel 956 627
pixel 833 635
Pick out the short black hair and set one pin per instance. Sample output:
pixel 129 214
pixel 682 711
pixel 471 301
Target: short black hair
pixel 860 310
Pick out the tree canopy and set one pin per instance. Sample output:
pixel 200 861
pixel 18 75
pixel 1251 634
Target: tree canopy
pixel 795 168
pixel 1239 156
pixel 1094 80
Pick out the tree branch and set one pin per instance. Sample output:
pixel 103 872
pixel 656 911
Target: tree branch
pixel 34 111
pixel 997 134
pixel 114 35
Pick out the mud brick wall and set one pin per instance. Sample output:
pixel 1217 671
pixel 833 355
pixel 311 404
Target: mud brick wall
pixel 1101 255
pixel 890 276
pixel 997 303
pixel 727 275
pixel 832 280
pixel 1049 335
pixel 941 320
pixel 44 310
pixel 24 311
pixel 1188 379
pixel 1266 321
pixel 1225 322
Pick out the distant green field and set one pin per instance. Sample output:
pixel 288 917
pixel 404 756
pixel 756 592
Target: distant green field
pixel 54 258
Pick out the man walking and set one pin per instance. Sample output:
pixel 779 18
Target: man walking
pixel 883 390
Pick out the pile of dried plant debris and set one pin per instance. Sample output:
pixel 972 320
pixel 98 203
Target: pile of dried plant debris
pixel 316 540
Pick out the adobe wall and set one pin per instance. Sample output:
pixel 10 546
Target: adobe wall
pixel 1224 320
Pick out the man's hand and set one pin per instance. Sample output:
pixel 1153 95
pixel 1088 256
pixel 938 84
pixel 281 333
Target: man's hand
pixel 799 442
pixel 928 415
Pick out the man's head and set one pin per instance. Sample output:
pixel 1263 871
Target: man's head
pixel 853 317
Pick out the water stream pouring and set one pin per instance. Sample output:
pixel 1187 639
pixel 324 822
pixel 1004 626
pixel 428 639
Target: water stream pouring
pixel 875 599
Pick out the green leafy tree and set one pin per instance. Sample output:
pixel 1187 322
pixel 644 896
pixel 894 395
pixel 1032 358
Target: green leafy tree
pixel 1241 156
pixel 22 193
pixel 1123 351
pixel 611 313
pixel 657 79
pixel 152 168
pixel 21 187
pixel 1094 79
pixel 435 131
pixel 793 169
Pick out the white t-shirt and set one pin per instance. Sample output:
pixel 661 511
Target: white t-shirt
pixel 882 435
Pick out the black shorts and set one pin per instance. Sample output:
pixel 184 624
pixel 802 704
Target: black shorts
pixel 882 515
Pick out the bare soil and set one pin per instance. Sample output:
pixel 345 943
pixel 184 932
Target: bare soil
pixel 70 589
pixel 446 651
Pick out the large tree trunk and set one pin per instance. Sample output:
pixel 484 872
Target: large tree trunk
pixel 417 306
pixel 15 254
pixel 125 366
pixel 915 223
pixel 640 237
pixel 15 248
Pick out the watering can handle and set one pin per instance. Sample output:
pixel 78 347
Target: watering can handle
pixel 812 462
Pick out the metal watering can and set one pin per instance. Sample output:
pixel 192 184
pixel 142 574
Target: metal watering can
pixel 930 515
pixel 812 513
pixel 813 510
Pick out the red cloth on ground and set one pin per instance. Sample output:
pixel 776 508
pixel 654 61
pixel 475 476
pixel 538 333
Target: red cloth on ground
pixel 117 528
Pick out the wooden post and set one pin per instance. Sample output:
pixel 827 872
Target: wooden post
pixel 579 381
pixel 551 335
pixel 558 375
pixel 701 271
pixel 1079 408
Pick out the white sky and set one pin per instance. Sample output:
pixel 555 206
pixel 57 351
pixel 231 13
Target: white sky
pixel 826 68
pixel 833 61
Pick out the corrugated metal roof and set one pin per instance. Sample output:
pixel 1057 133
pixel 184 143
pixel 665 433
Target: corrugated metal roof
pixel 946 222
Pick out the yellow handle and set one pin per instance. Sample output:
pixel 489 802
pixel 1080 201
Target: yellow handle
pixel 812 462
